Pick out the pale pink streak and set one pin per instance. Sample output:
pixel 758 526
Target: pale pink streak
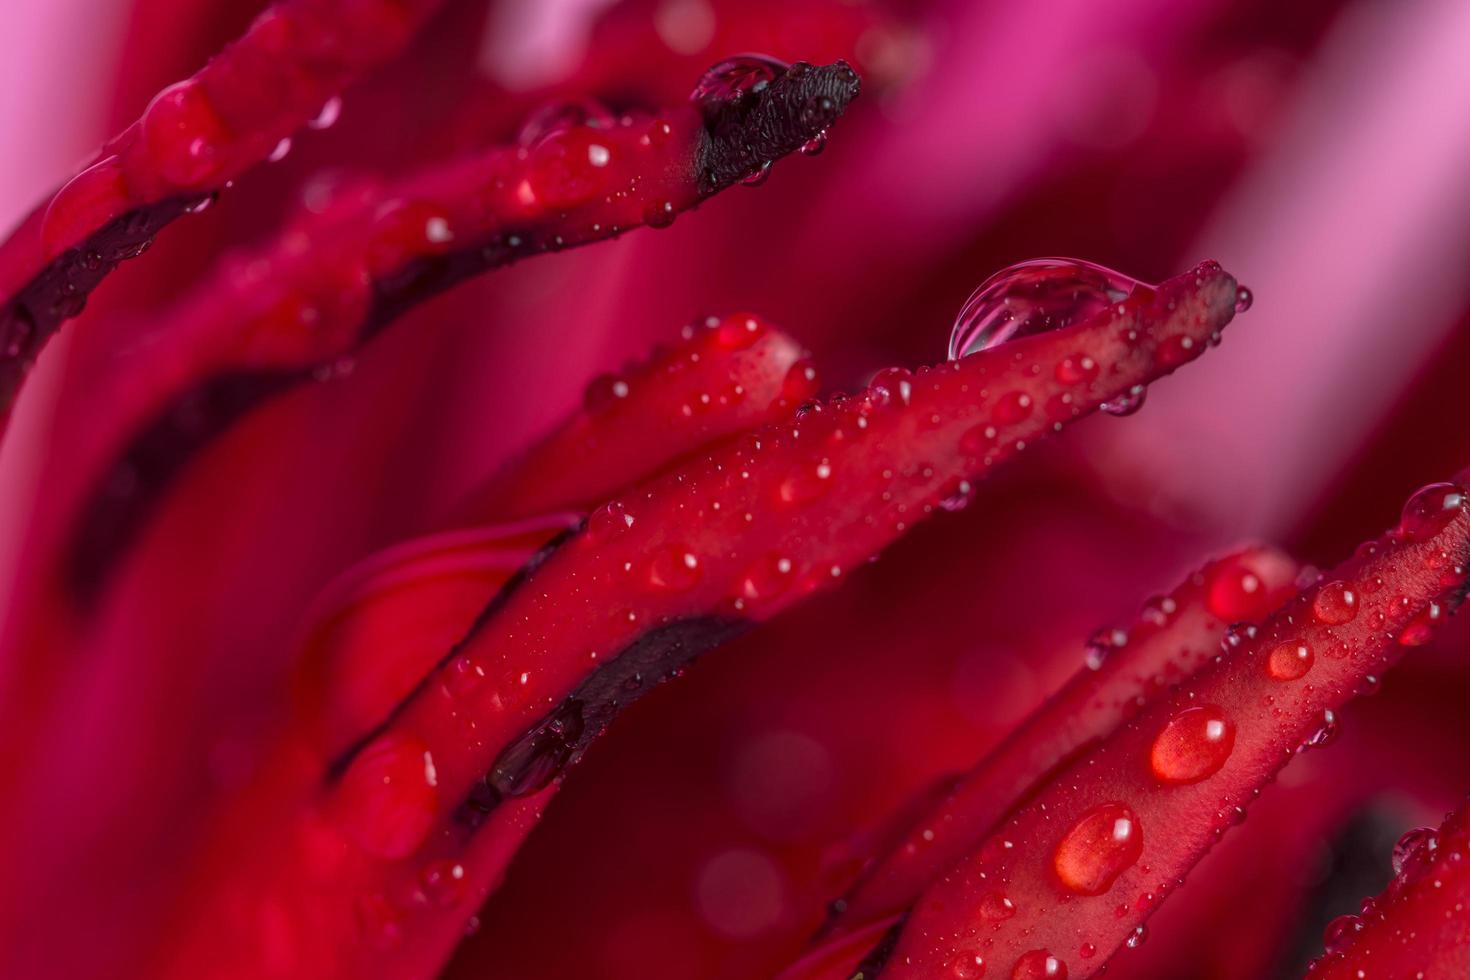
pixel 1352 231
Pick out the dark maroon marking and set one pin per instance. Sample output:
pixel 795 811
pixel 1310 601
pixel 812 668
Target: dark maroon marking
pixel 532 761
pixel 736 142
pixel 120 505
pixel 60 290
pixel 492 608
pixel 877 958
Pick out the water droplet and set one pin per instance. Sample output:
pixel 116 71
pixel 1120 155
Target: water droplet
pixel 1127 403
pixel 800 382
pixel 659 214
pixel 1420 630
pixel 328 115
pixel 568 168
pixel 1103 843
pixel 674 569
pixel 1192 745
pixel 1325 734
pixel 87 202
pixel 1414 852
pixel 967 965
pixel 1075 369
pixel 1430 510
pixel 1038 964
pixel 1243 299
pixel 964 492
pixel 1137 937
pixel 806 484
pixel 443 883
pixel 603 392
pixel 387 798
pixel 1100 646
pixel 554 117
pixel 608 521
pixel 996 907
pixel 280 151
pixel 891 386
pixel 1087 951
pixel 1035 297
pixel 1012 408
pixel 183 135
pixel 1289 661
pixel 767 578
pixel 758 177
pixel 1340 933
pixel 1335 603
pixel 535 759
pixel 815 145
pixel 734 79
pixel 1235 593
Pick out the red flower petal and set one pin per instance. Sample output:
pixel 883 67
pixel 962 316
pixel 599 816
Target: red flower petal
pixel 1066 896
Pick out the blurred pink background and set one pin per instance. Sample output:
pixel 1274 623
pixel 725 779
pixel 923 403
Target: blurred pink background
pixel 1317 149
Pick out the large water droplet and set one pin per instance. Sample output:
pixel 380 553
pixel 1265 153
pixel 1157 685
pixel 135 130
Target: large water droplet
pixel 1243 299
pixel 733 79
pixel 182 134
pixel 1340 932
pixel 1039 964
pixel 1289 661
pixel 387 797
pixel 555 117
pixel 536 758
pixel 1035 297
pixel 1127 403
pixel 1235 593
pixel 1192 745
pixel 1325 734
pixel 1414 852
pixel 1335 603
pixel 1430 510
pixel 1103 843
pixel 1420 630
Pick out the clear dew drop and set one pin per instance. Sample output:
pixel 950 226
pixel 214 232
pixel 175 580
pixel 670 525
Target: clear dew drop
pixel 759 177
pixel 1289 661
pixel 733 79
pixel 1039 964
pixel 1127 403
pixel 815 145
pixel 1336 603
pixel 554 117
pixel 1035 297
pixel 1193 745
pixel 1414 852
pixel 1243 299
pixel 1104 842
pixel 1325 734
pixel 1339 934
pixel 1430 510
pixel 1137 937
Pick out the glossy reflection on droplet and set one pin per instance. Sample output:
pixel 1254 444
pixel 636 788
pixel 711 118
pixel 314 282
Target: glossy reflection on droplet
pixel 1036 297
